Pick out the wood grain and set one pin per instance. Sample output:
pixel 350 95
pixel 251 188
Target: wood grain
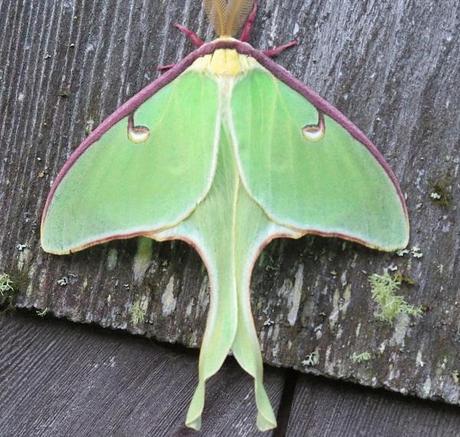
pixel 392 67
pixel 62 380
pixel 333 408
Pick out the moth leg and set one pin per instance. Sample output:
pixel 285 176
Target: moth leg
pixel 164 68
pixel 276 51
pixel 190 34
pixel 246 33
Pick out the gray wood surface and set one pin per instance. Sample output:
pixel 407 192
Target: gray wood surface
pixel 392 67
pixel 333 408
pixel 64 380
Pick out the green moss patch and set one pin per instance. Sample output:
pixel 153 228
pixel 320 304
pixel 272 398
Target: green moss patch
pixel 390 305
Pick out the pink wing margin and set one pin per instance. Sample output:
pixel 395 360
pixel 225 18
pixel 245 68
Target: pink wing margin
pixel 245 49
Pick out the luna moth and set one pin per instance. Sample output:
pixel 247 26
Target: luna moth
pixel 226 151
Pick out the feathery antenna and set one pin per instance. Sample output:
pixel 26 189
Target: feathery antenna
pixel 228 16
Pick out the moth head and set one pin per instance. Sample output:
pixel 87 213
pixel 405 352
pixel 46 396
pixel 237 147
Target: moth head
pixel 228 16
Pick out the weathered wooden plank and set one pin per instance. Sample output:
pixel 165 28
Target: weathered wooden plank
pixel 392 67
pixel 334 408
pixel 59 379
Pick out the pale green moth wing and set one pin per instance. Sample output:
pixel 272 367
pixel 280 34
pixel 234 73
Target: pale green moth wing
pixel 308 172
pixel 228 229
pixel 147 172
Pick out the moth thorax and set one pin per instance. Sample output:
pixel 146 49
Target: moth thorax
pixel 228 16
pixel 224 63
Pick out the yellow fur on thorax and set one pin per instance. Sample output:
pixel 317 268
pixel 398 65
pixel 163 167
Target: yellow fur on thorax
pixel 224 62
